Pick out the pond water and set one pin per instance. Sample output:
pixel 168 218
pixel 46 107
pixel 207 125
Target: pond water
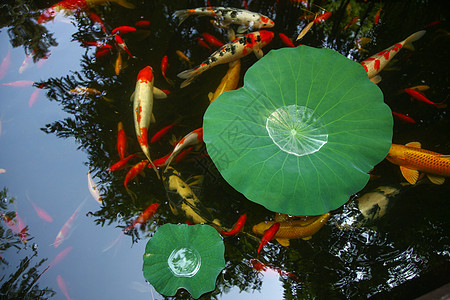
pixel 51 139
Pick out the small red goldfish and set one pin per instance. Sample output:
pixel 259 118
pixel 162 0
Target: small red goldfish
pixel 121 163
pixel 142 24
pixel 212 40
pixel 39 211
pixel 377 16
pixel 287 41
pixel 123 30
pixel 121 144
pixel 237 227
pixel 164 65
pixel 162 132
pixel 135 171
pixel 322 18
pixel 96 19
pixel 420 97
pixel 144 216
pixel 203 44
pixel 352 22
pixel 403 117
pixel 268 235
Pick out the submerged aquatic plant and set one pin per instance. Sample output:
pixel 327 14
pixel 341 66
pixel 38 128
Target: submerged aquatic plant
pixel 302 133
pixel 184 256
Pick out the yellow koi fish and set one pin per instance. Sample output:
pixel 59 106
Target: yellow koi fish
pixel 294 229
pixel 412 158
pixel 229 81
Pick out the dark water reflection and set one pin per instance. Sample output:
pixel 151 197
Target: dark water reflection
pixel 383 259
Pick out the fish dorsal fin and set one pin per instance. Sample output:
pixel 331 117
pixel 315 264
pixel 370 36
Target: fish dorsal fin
pixel 306 238
pixel 159 94
pixel 436 179
pixel 414 145
pixel 410 175
pixel 283 242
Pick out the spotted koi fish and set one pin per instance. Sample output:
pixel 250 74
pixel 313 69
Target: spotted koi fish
pixel 227 15
pixel 238 48
pixel 374 64
pixel 195 137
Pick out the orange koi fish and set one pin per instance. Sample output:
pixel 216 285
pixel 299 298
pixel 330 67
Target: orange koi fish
pixel 403 117
pixel 183 56
pixel 144 216
pixel 238 48
pixel 212 40
pixel 122 163
pixel 65 231
pixel 121 144
pixel 227 15
pixel 237 226
pixel 39 211
pixel 322 18
pixel 6 62
pixel 93 189
pixel 229 82
pixel 121 43
pixel 268 235
pixel 123 29
pixel 193 138
pixel 377 16
pixel 374 64
pixel 420 97
pixel 63 286
pixel 412 158
pixel 164 65
pixel 118 65
pixel 293 229
pixel 75 6
pixel 134 172
pixel 287 41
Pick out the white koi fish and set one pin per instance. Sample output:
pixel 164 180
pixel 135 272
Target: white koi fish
pixel 143 106
pixel 236 49
pixel 374 64
pixel 227 15
pixel 193 138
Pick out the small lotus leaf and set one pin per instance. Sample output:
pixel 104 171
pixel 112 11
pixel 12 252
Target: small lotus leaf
pixel 302 133
pixel 184 256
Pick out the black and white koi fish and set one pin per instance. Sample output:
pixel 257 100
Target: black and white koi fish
pixel 227 15
pixel 236 49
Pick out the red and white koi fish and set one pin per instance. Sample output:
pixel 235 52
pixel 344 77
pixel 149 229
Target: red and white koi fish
pixel 374 64
pixel 403 118
pixel 237 227
pixel 121 163
pixel 420 97
pixel 287 41
pixel 193 138
pixel 65 231
pixel 19 83
pixel 142 108
pixel 123 29
pixel 134 172
pixel 212 40
pixel 227 15
pixel 75 6
pixel 6 62
pixel 121 144
pixel 63 286
pixel 144 216
pixel 268 235
pixel 40 212
pixel 121 43
pixel 238 48
pixel 93 189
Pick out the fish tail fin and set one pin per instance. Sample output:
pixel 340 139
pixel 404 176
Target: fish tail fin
pixel 189 75
pixel 125 4
pixel 412 38
pixel 182 15
pixel 441 105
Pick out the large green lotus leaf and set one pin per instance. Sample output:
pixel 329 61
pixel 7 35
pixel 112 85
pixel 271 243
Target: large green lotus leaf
pixel 184 256
pixel 302 133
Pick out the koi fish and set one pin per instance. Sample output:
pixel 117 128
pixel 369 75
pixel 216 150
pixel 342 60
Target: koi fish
pixel 60 256
pixel 182 199
pixel 74 6
pixel 229 81
pixel 144 216
pixel 287 41
pixel 420 88
pixel 226 16
pixel 212 40
pixel 121 144
pixel 84 90
pixel 93 189
pixel 102 52
pixel 162 132
pixel 6 62
pixel 293 229
pixel 183 56
pixel 193 138
pixel 420 97
pixel 142 24
pixel 122 163
pixel 142 108
pixel 118 65
pixel 164 65
pixel 374 64
pixel 268 235
pixel 63 286
pixel 259 266
pixel 377 16
pixel 134 172
pixel 123 29
pixel 39 211
pixel 412 158
pixel 19 83
pixel 322 18
pixel 99 45
pixel 26 62
pixel 65 231
pixel 34 96
pixel 96 19
pixel 237 226
pixel 203 44
pixel 403 117
pixel 121 43
pixel 238 48
pixel 352 22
